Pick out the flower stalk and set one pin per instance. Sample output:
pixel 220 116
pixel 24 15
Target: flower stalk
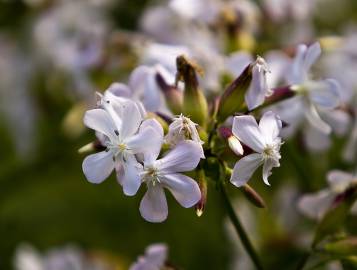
pixel 242 234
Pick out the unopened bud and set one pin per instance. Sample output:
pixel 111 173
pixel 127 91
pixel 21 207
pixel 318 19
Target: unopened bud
pixel 233 142
pixel 252 196
pixel 202 183
pixel 194 101
pixel 232 99
pixel 90 147
pixel 163 122
pixel 173 96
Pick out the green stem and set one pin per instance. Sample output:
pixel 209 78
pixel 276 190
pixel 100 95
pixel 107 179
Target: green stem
pixel 239 228
pixel 303 261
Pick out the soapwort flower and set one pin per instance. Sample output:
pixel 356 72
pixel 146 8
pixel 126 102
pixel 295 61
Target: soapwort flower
pixel 263 139
pixel 315 205
pixel 314 95
pixel 183 128
pixel 118 125
pixel 166 172
pixel 153 259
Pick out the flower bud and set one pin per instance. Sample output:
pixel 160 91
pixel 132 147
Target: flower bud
pixel 233 142
pixel 252 196
pixel 232 99
pixel 194 101
pixel 160 118
pixel 202 183
pixel 173 96
pixel 90 147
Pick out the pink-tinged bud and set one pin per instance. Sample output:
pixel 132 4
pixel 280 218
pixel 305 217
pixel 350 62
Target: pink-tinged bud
pixel 233 142
pixel 202 183
pixel 173 96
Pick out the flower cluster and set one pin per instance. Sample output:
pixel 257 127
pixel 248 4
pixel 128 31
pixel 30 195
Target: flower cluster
pixel 133 144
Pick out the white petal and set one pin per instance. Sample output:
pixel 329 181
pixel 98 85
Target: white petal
pixel 97 167
pixel 131 180
pixel 156 254
pixel 131 120
pixel 151 155
pixel 316 140
pixel 315 205
pixel 339 180
pixel 314 119
pixel 153 206
pixel 267 166
pixel 324 93
pixel 246 129
pixel 244 169
pixel 298 73
pixel 183 188
pixel 258 89
pixel 147 140
pixel 312 53
pixel 237 62
pixel 270 126
pixel 120 90
pixel 100 120
pixel 183 158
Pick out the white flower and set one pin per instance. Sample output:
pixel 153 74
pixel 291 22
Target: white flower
pixel 182 128
pixel 314 95
pixel 258 88
pixel 62 258
pixel 315 205
pixel 166 173
pixel 154 258
pixel 118 124
pixel 262 139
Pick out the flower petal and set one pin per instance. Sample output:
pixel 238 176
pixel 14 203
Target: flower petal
pixel 258 89
pixel 270 126
pixel 246 129
pixel 339 180
pixel 324 93
pixel 146 141
pixel 183 188
pixel 297 72
pixel 314 119
pixel 183 158
pixel 315 205
pixel 244 169
pixel 100 120
pixel 237 62
pixel 312 53
pixel 267 166
pixel 153 206
pixel 131 119
pixel 120 90
pixel 130 180
pixel 97 167
pixel 151 156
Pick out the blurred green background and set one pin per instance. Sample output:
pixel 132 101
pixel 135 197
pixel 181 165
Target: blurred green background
pixel 46 201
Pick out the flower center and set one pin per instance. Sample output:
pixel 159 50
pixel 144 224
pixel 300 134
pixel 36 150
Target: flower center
pixel 122 147
pixel 269 152
pixel 151 176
